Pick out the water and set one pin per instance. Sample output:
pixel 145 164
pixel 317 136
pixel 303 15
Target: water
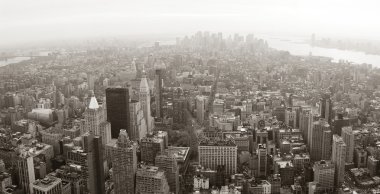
pixel 12 60
pixel 298 46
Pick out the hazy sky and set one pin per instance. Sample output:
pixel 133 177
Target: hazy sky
pixel 42 20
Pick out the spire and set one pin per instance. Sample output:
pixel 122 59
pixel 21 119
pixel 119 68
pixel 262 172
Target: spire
pixel 143 71
pixel 144 81
pixel 123 139
pixel 93 102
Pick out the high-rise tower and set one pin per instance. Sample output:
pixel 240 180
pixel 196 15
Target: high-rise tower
pixel 338 158
pixel 325 108
pixel 117 109
pixel 321 136
pixel 158 92
pixel 144 97
pixel 124 164
pixel 348 138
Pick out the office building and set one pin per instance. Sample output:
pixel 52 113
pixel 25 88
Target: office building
pixel 48 185
pixel 214 153
pixel 348 138
pixel 291 117
pixel 168 162
pixel 159 75
pixel 325 108
pixel 373 165
pixel 138 128
pixel 117 109
pixel 144 98
pixel 179 110
pixel 93 163
pixel 151 180
pixel 124 164
pixel 321 137
pixel 201 108
pixel 324 173
pixel 306 123
pixel 360 157
pixel 339 123
pixel 339 159
pixel 261 152
pixel 150 147
pixel 25 171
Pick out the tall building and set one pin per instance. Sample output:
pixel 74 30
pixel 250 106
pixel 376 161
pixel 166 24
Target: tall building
pixel 168 163
pixel 214 153
pixel 261 152
pixel 306 123
pixel 124 164
pixel 93 164
pixel 339 159
pixel 96 121
pixel 150 147
pixel 339 123
pixel 325 108
pixel 321 137
pixel 48 185
pixel 138 128
pixel 324 173
pixel 94 116
pixel 144 98
pixel 158 92
pixel 373 165
pixel 348 138
pixel 360 157
pixel 117 109
pixel 151 180
pixel 25 171
pixel 201 106
pixel 290 117
pixel 179 110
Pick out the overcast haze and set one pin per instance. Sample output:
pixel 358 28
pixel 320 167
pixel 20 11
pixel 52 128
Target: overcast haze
pixel 45 20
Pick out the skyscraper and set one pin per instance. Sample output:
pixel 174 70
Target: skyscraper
pixel 144 98
pixel 306 123
pixel 25 170
pixel 321 137
pixel 93 164
pixel 158 92
pixel 325 108
pixel 117 109
pixel 124 164
pixel 96 121
pixel 179 110
pixel 348 138
pixel 168 163
pixel 290 117
pixel 93 116
pixel 338 158
pixel 138 128
pixel 262 160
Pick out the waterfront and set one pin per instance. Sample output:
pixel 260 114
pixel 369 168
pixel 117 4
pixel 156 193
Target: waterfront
pixel 13 60
pixel 298 46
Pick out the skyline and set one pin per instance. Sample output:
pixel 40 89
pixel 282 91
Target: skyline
pixel 74 20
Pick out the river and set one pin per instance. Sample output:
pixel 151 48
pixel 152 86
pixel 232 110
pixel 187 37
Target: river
pixel 297 46
pixel 12 60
